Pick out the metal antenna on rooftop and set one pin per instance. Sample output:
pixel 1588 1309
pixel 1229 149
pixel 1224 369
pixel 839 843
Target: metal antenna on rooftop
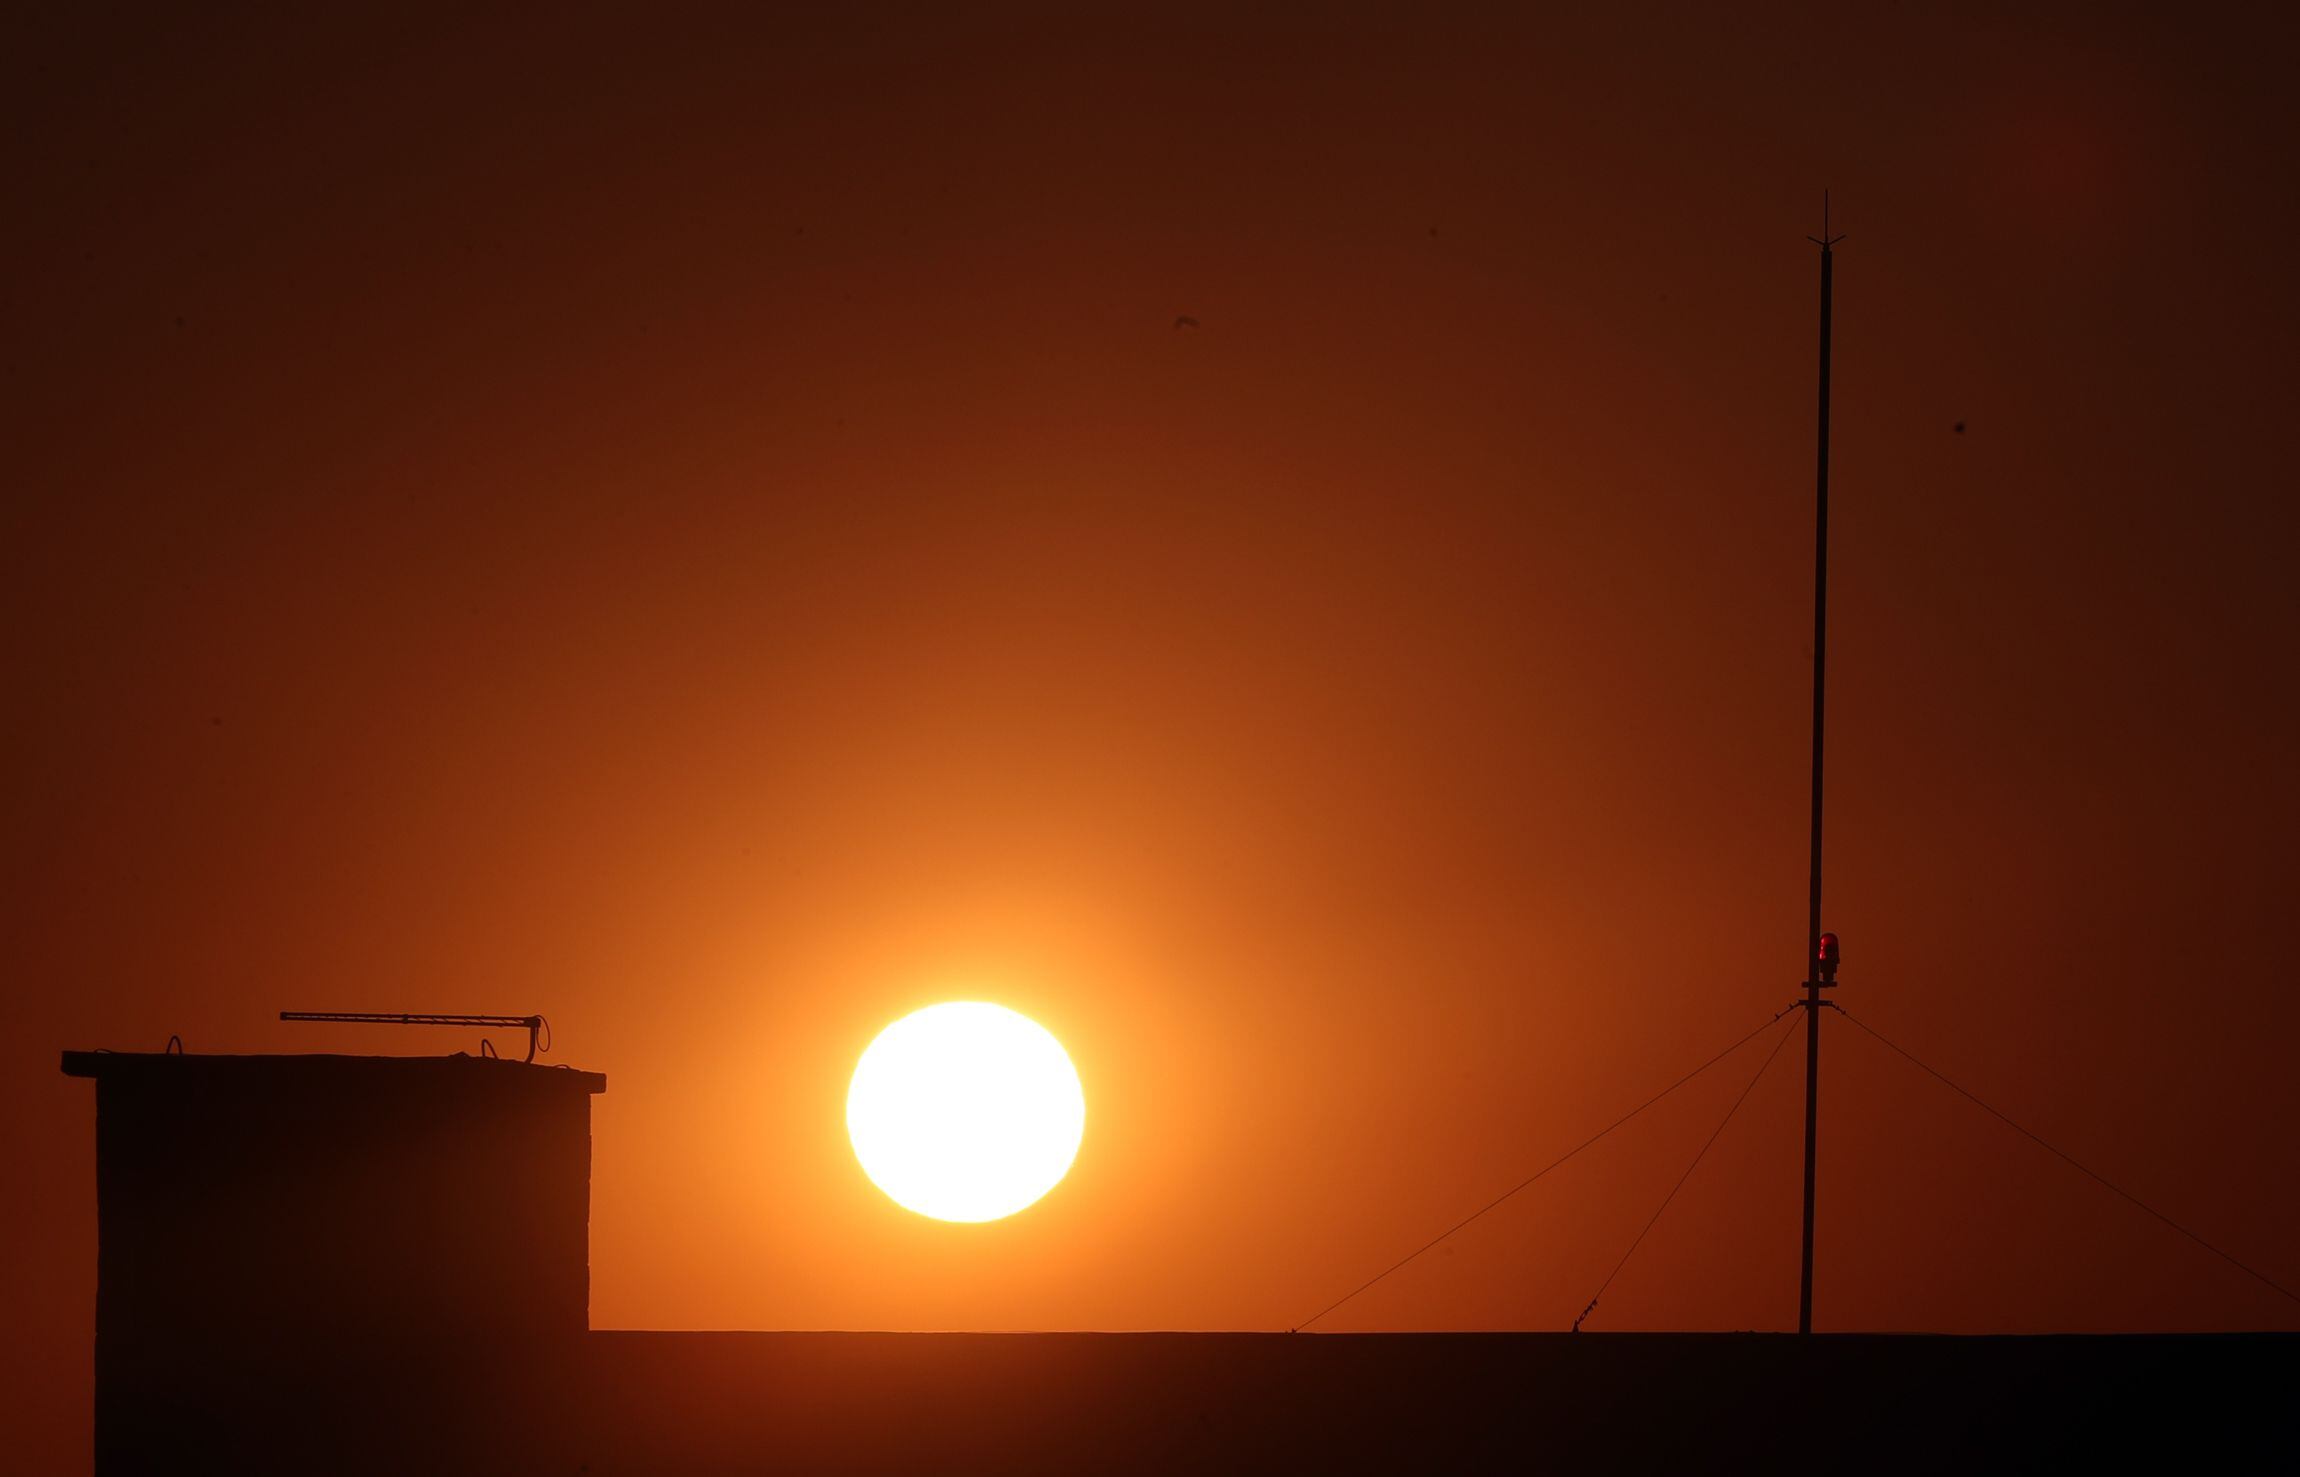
pixel 536 1025
pixel 1821 951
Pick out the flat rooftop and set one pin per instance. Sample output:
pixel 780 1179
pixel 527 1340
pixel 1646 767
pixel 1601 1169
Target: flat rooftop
pixel 322 1069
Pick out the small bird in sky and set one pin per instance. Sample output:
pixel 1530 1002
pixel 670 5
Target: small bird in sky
pixel 1184 320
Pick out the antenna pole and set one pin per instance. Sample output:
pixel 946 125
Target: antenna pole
pixel 536 1026
pixel 1819 969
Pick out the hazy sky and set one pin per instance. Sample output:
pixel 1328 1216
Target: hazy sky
pixel 705 525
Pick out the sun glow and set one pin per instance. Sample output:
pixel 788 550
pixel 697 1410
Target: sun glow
pixel 965 1111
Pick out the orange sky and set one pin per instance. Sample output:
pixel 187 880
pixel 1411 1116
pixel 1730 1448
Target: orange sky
pixel 708 530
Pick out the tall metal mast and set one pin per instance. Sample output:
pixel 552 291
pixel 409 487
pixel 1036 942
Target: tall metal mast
pixel 1820 948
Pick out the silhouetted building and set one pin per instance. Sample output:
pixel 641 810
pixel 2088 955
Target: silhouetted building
pixel 323 1263
pixel 318 1264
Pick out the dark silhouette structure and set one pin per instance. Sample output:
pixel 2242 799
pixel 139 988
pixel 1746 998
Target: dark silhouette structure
pixel 728 1403
pixel 379 1264
pixel 1820 948
pixel 306 1263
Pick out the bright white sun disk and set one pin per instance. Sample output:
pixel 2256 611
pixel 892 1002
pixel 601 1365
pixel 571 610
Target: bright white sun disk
pixel 965 1111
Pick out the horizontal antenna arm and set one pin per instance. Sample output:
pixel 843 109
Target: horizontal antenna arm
pixel 534 1024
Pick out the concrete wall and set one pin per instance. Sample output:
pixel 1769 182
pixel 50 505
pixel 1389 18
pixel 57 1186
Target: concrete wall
pixel 729 1403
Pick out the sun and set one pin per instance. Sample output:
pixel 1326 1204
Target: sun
pixel 965 1111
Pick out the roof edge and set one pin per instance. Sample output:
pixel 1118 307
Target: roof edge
pixel 100 1064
